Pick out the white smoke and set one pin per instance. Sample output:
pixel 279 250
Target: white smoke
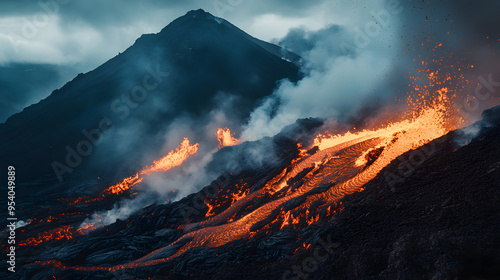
pixel 467 134
pixel 121 210
pixel 20 224
pixel 180 181
pixel 345 65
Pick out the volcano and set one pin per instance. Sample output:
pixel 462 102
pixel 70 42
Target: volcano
pixel 185 71
pixel 415 196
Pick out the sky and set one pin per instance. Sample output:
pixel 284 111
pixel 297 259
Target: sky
pixel 45 43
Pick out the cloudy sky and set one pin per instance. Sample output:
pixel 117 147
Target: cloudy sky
pixel 90 32
pixel 45 43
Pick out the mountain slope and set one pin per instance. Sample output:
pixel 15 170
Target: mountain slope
pixel 196 65
pixel 438 219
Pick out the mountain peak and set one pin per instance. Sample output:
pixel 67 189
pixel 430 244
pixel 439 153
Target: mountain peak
pixel 193 19
pixel 201 14
pixel 198 27
pixel 198 12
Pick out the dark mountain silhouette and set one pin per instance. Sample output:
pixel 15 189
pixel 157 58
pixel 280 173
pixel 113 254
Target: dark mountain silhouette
pixel 196 64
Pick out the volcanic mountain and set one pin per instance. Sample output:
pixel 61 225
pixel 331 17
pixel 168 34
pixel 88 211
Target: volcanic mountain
pixel 125 107
pixel 412 197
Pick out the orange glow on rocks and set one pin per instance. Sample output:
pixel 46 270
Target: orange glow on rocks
pixel 64 232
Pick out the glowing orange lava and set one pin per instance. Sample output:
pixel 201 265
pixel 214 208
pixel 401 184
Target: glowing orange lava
pixel 64 232
pixel 225 138
pixel 339 156
pixel 86 228
pixel 124 185
pixel 172 159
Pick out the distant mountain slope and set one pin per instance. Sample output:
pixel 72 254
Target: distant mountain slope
pixel 197 64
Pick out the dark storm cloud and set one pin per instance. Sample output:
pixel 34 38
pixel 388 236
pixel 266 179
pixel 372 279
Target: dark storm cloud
pixel 472 17
pixel 116 11
pixel 122 12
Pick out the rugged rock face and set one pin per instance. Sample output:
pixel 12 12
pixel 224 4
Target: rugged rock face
pixel 195 65
pixel 431 214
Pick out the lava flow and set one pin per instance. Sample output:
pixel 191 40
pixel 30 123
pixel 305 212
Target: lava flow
pixel 341 162
pixel 340 165
pixel 65 232
pixel 172 159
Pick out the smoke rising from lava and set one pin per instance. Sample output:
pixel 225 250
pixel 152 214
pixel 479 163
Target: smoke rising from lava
pixel 342 73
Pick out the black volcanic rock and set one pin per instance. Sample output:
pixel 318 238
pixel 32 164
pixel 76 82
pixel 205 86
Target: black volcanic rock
pixel 196 64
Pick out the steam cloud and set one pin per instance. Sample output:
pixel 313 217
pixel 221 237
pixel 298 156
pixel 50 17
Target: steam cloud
pixel 345 67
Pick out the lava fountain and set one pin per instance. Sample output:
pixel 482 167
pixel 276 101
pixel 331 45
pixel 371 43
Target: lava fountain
pixel 225 138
